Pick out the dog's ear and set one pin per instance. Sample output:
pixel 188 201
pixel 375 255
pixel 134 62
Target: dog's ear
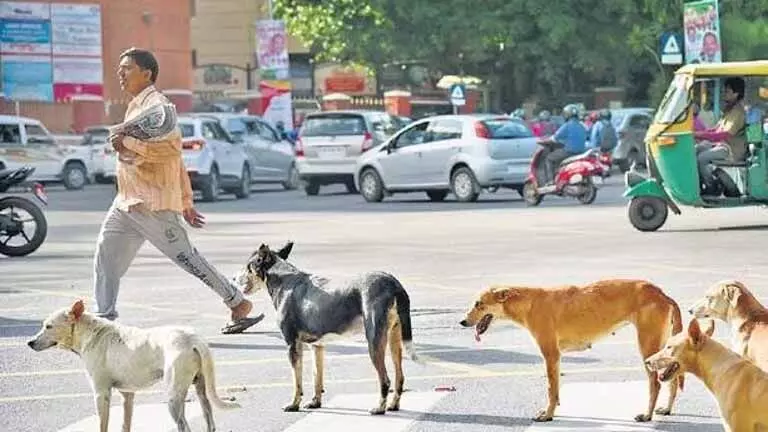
pixel 503 295
pixel 710 329
pixel 694 332
pixel 733 292
pixel 77 310
pixel 285 251
pixel 262 250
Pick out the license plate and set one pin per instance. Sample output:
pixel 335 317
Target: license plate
pixel 331 152
pixel 597 180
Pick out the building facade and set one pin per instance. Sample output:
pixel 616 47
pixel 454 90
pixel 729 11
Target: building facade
pixel 75 44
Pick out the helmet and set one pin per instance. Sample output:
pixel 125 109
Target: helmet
pixel 605 114
pixel 544 115
pixel 570 110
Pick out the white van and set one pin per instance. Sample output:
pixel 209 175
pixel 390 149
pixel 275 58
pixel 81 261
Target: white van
pixel 26 141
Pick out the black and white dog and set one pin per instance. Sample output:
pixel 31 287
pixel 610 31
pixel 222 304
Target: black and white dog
pixel 310 310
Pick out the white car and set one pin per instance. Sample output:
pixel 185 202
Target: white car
pixel 463 154
pixel 214 159
pixel 103 158
pixel 26 141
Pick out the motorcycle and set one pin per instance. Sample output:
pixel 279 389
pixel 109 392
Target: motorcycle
pixel 13 226
pixel 578 176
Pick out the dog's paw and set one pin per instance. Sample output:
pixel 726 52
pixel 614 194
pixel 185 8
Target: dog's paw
pixel 315 404
pixel 377 411
pixel 663 411
pixel 291 408
pixel 542 416
pixel 393 407
pixel 642 418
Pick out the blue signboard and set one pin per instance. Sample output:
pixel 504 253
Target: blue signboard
pixel 27 78
pixel 25 31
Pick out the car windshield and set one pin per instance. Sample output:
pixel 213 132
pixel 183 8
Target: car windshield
pixel 507 128
pixel 187 130
pixel 95 136
pixel 236 126
pixel 616 120
pixel 674 103
pixel 333 125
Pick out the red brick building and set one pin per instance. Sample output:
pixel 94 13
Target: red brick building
pixel 162 26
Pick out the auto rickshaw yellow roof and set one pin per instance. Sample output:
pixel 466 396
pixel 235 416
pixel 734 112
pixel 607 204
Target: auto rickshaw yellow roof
pixel 746 68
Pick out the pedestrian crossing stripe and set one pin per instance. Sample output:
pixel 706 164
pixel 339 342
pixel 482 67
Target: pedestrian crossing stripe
pixel 146 418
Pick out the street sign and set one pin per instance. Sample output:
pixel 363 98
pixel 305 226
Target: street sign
pixel 458 95
pixel 671 48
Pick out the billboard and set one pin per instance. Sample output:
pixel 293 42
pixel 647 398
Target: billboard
pixel 50 51
pixel 272 49
pixel 701 23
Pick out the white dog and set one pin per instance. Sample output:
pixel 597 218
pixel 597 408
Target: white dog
pixel 130 359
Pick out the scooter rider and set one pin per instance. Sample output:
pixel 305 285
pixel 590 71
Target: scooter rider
pixel 568 141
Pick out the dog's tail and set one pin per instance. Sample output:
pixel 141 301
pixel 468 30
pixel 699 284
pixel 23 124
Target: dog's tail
pixel 677 327
pixel 209 375
pixel 404 314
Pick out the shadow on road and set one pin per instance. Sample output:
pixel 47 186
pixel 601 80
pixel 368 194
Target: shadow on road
pixel 586 423
pixel 12 327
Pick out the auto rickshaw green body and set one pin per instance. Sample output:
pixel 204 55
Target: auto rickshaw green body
pixel 672 166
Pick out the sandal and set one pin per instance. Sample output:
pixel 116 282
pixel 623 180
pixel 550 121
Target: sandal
pixel 241 324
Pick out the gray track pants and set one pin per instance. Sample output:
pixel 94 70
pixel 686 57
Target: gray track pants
pixel 122 234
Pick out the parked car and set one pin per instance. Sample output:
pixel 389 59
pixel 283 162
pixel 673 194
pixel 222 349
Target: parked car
pixel 271 158
pixel 330 142
pixel 103 158
pixel 631 124
pixel 214 159
pixel 26 141
pixel 462 154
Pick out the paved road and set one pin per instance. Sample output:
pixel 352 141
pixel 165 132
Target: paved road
pixel 445 253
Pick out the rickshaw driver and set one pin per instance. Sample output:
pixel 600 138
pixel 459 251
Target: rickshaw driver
pixel 726 139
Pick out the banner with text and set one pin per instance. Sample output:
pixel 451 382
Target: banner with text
pixel 701 21
pixel 272 50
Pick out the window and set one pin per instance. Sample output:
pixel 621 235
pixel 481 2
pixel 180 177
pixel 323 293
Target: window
pixel 445 130
pixel 507 128
pixel 236 126
pixel 413 136
pixel 36 134
pixel 333 125
pixel 267 132
pixel 209 131
pixel 639 122
pixel 187 130
pixel 10 134
pixel 673 107
pixel 194 58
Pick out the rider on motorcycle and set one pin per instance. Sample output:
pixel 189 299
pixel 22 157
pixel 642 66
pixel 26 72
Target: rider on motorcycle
pixel 603 135
pixel 568 141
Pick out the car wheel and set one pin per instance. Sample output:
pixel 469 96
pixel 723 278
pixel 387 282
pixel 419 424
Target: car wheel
pixel 464 185
pixel 437 195
pixel 292 181
pixel 244 188
pixel 75 176
pixel 311 188
pixel 371 186
pixel 210 185
pixel 647 213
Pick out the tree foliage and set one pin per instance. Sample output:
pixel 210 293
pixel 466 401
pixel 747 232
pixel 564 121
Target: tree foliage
pixel 525 47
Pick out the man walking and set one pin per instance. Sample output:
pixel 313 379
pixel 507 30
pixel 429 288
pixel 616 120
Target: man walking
pixel 153 191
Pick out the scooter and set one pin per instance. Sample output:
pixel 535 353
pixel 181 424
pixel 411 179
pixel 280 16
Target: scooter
pixel 578 176
pixel 15 238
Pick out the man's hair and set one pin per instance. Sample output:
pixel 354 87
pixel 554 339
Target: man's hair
pixel 737 85
pixel 143 59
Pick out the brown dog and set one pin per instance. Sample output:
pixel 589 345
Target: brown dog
pixel 732 302
pixel 740 387
pixel 572 318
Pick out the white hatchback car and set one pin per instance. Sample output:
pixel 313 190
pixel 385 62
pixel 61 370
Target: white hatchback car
pixel 26 141
pixel 462 154
pixel 214 159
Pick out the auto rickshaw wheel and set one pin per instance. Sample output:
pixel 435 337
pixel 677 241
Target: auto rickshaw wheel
pixel 647 213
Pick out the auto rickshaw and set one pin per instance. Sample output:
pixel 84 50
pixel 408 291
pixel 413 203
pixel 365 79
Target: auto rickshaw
pixel 673 175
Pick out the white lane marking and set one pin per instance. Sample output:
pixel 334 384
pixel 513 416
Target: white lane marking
pixel 146 418
pixel 351 411
pixel 603 406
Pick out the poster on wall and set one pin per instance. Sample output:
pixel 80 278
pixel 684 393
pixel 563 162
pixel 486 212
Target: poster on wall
pixel 27 78
pixel 76 48
pixel 272 50
pixel 276 102
pixel 701 22
pixel 25 28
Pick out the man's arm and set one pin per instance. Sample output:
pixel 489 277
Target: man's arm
pixel 728 128
pixel 154 133
pixel 186 187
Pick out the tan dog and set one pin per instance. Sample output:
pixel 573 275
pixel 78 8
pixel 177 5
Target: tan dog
pixel 572 318
pixel 739 386
pixel 731 302
pixel 130 359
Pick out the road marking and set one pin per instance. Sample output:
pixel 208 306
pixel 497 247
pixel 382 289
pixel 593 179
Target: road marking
pixel 602 406
pixel 352 409
pixel 530 371
pixel 146 418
